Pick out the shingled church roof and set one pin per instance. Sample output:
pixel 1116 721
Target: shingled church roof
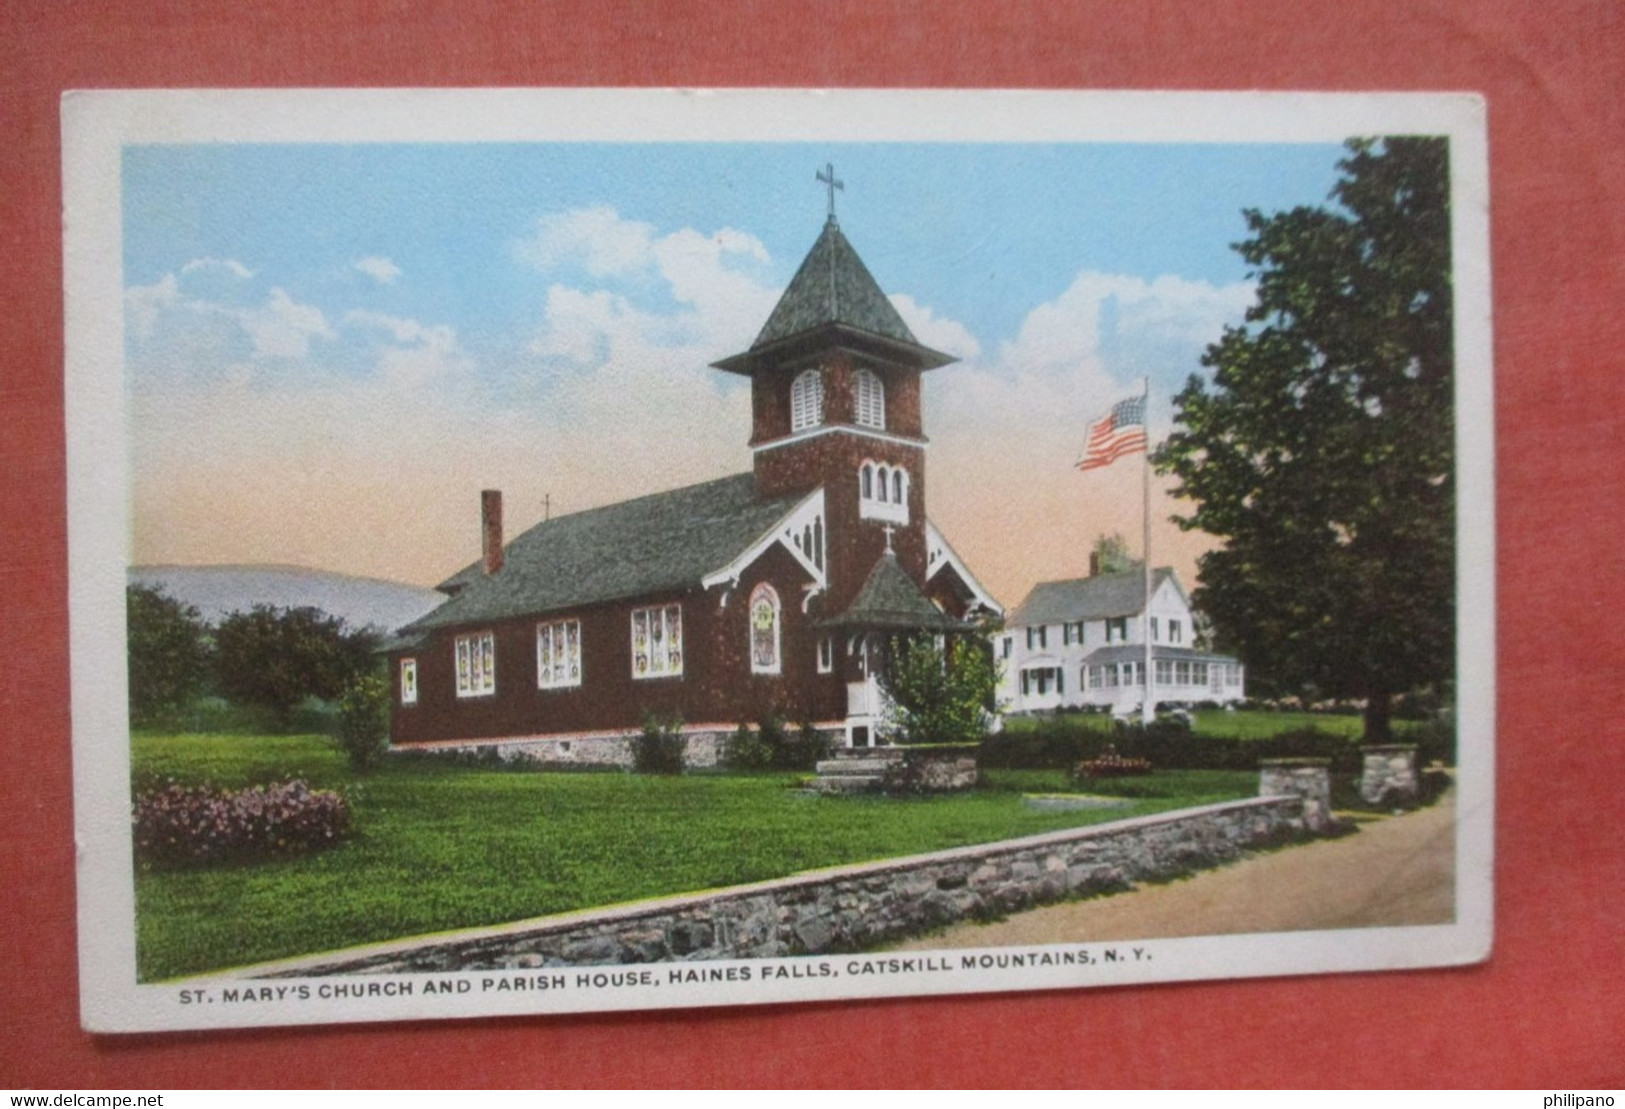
pixel 890 599
pixel 662 542
pixel 834 289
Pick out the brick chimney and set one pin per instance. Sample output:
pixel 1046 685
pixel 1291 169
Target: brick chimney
pixel 491 529
pixel 1094 564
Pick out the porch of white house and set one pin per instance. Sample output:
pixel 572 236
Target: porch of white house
pixel 1046 684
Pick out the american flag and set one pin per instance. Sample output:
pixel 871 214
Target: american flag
pixel 1121 431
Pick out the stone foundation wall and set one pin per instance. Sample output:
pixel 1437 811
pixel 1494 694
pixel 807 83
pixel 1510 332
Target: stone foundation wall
pixel 849 907
pixel 703 749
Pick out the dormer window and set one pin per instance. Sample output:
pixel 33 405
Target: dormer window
pixel 807 400
pixel 870 398
pixel 883 493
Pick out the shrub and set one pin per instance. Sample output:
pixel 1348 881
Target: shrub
pixel 658 749
pixel 1110 764
pixel 363 721
pixel 802 749
pixel 1435 739
pixel 940 694
pixel 200 824
pixel 748 750
pixel 168 654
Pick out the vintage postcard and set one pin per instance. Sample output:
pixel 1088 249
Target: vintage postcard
pixel 561 550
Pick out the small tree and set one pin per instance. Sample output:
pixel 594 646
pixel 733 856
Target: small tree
pixel 940 693
pixel 277 657
pixel 1112 554
pixel 168 652
pixel 363 724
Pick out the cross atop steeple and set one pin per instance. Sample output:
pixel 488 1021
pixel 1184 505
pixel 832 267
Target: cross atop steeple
pixel 827 176
pixel 888 529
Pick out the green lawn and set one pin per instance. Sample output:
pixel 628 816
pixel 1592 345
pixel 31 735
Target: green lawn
pixel 1225 725
pixel 442 847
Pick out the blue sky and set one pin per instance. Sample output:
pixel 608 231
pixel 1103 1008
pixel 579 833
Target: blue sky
pixel 371 333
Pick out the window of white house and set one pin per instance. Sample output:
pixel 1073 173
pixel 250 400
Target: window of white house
pixel 1174 631
pixel 409 681
pixel 1117 629
pixel 1198 673
pixel 1165 672
pixel 826 654
pixel 764 630
pixel 807 400
pixel 558 654
pixel 1182 673
pixel 476 665
pixel 1131 673
pixel 883 492
pixel 657 642
pixel 1154 634
pixel 1004 647
pixel 1111 675
pixel 870 399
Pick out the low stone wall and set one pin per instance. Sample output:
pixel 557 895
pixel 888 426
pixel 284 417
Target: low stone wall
pixel 1389 775
pixel 845 908
pixel 929 770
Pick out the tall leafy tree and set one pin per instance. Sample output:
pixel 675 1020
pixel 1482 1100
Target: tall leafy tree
pixel 1320 452
pixel 168 652
pixel 277 657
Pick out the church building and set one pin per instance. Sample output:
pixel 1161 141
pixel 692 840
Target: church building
pixel 767 593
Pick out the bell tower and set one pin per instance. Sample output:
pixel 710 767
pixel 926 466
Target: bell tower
pixel 835 403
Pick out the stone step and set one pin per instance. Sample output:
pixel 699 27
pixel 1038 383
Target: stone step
pixel 853 766
pixel 847 783
pixel 890 754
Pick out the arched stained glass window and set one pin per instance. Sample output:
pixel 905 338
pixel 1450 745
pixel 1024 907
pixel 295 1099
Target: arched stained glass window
pixel 870 398
pixel 764 630
pixel 807 401
pixel 868 482
pixel 883 491
pixel 897 487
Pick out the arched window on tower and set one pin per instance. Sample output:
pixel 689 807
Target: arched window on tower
pixel 764 630
pixel 871 399
pixel 807 400
pixel 883 493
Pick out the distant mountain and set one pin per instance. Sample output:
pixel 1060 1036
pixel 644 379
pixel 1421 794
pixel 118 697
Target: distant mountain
pixel 216 591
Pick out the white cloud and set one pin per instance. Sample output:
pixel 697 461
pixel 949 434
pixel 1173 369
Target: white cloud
pixel 145 304
pixel 379 268
pixel 226 266
pixel 281 327
pixel 595 238
pixel 937 332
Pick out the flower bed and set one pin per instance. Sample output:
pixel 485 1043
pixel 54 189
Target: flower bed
pixel 200 824
pixel 1109 764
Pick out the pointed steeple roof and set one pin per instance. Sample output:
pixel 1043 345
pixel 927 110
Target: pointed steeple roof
pixel 890 599
pixel 834 291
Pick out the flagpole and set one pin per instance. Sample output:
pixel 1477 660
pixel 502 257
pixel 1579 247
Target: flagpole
pixel 1148 711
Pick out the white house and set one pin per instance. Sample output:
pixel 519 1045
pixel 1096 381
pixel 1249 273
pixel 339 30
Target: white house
pixel 1081 643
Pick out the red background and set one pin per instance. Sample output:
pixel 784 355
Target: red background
pixel 1545 1012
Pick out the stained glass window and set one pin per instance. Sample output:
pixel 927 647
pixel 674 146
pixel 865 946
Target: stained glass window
pixel 476 665
pixel 764 630
pixel 657 642
pixel 558 654
pixel 409 681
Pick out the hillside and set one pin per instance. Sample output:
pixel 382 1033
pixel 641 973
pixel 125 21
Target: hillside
pixel 216 591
